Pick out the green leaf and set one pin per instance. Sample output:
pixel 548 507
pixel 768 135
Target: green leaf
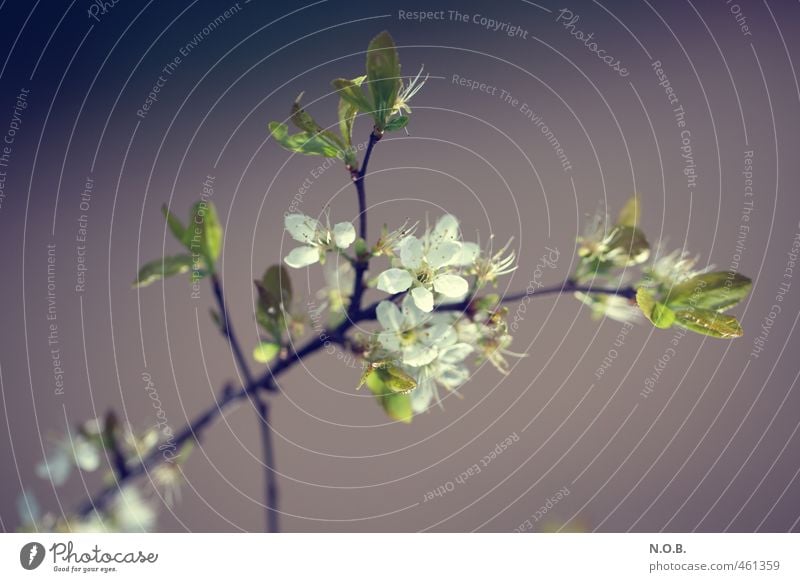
pixel 662 316
pixel 347 116
pixel 659 314
pixel 629 215
pixel 303 120
pixel 175 225
pixel 352 92
pixel 397 123
pixel 396 405
pixel 205 232
pixel 274 299
pixel 265 352
pixel 305 143
pixel 717 291
pixel 707 322
pixel 383 76
pixel 161 269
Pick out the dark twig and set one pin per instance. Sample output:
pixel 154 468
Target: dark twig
pixel 270 476
pixel 362 262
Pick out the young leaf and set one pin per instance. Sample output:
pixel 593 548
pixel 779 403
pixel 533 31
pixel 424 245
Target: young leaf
pixel 205 231
pixel 659 314
pixel 303 120
pixel 304 143
pixel 707 322
pixel 274 298
pixel 347 116
pixel 175 226
pixel 629 215
pixel 265 352
pixel 383 76
pixel 352 92
pixel 716 291
pixel 161 269
pixel 397 123
pixel 396 405
pixel 395 379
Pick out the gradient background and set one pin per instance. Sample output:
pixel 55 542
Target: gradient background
pixel 713 448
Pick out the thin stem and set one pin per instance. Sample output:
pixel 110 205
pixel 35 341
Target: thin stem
pixel 227 330
pixel 269 460
pixel 362 263
pixel 262 407
pixel 230 395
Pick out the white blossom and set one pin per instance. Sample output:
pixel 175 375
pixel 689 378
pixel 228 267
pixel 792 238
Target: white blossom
pixel 407 92
pixel 131 512
pixel 614 307
pixel 317 239
pixel 426 346
pixel 427 265
pixel 673 268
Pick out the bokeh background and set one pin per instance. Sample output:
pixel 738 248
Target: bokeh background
pixel 714 447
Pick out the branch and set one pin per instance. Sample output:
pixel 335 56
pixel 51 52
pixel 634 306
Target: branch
pixel 270 477
pixel 230 395
pixel 362 263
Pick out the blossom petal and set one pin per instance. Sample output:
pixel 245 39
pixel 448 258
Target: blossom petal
pixel 418 355
pixel 302 228
pixel 443 253
pixel 302 257
pixel 452 377
pixel 469 252
pixel 394 280
pixel 344 235
pixel 87 457
pixel 389 316
pixel 423 299
pixel 455 353
pixel 440 335
pixel 446 228
pixel 413 315
pixel 56 467
pixel 451 285
pixel 389 340
pixel 422 395
pixel 411 252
